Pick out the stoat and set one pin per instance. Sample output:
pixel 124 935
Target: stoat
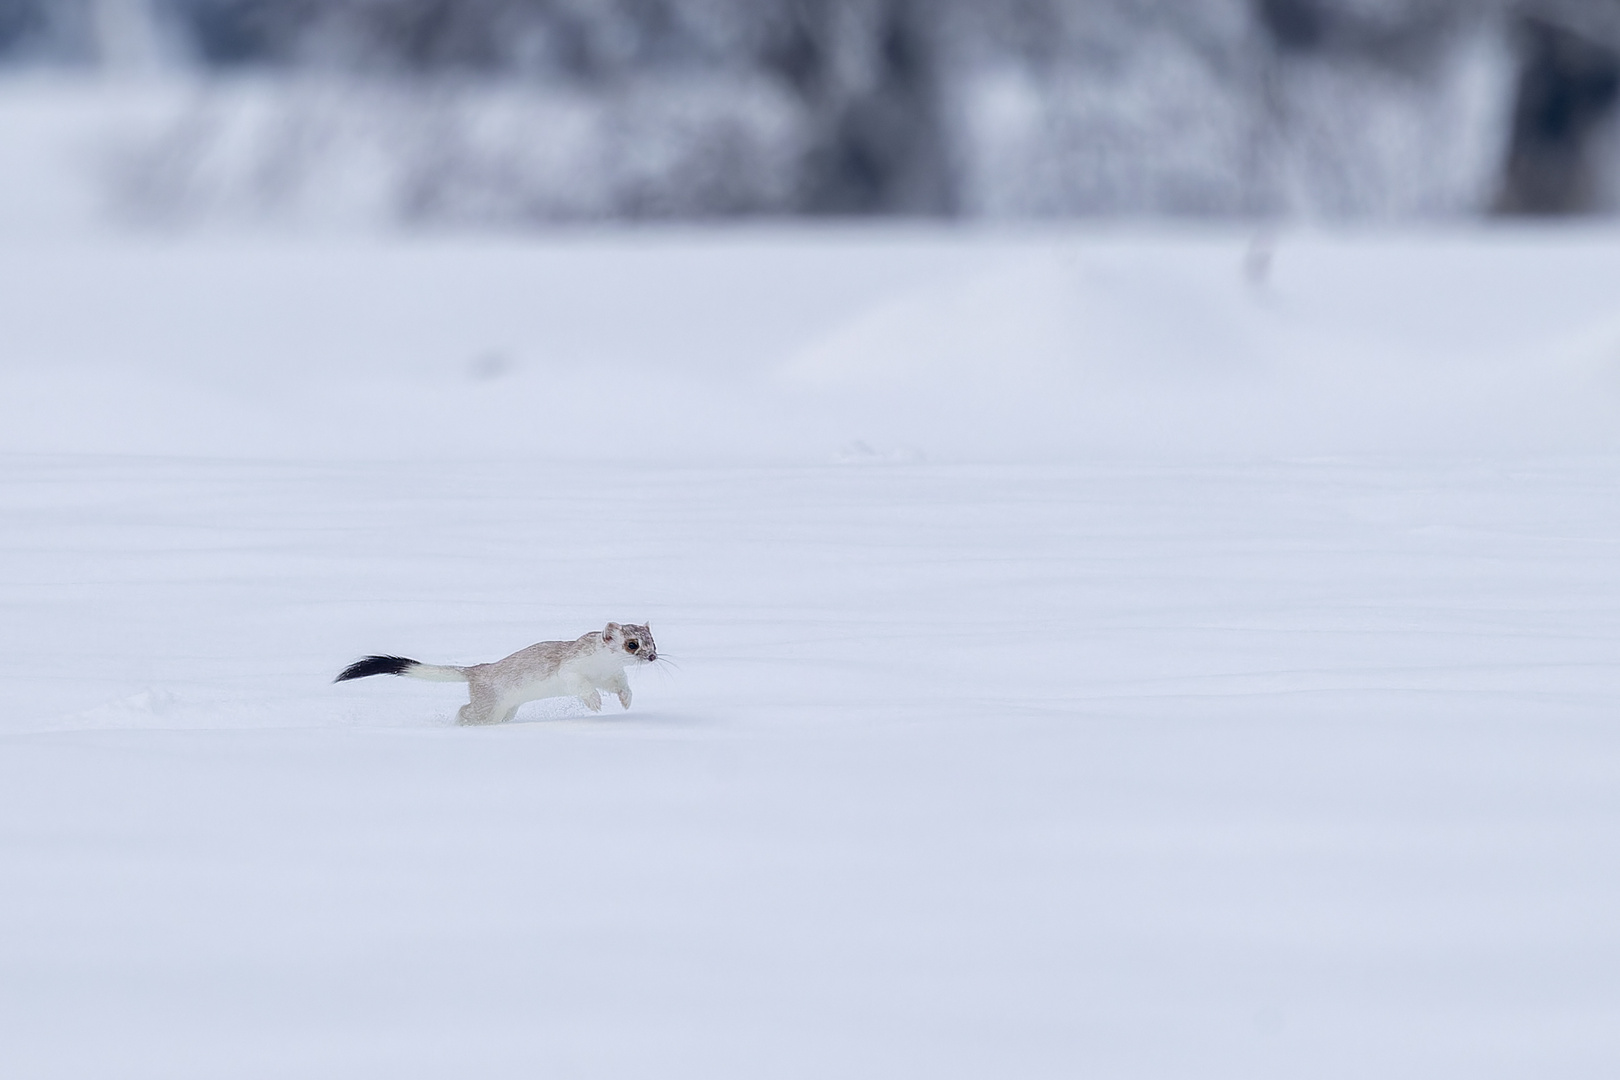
pixel 580 668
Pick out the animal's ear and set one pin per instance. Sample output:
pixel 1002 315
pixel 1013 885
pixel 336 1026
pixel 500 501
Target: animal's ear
pixel 611 632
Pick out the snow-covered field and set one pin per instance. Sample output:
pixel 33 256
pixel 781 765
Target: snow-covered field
pixel 1100 653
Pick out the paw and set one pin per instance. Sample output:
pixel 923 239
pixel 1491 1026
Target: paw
pixel 592 700
pixel 624 699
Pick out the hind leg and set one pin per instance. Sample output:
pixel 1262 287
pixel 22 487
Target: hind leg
pixel 485 707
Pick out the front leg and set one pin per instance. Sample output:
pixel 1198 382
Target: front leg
pixel 592 700
pixel 621 689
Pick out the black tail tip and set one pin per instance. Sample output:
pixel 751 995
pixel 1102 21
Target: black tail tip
pixel 375 665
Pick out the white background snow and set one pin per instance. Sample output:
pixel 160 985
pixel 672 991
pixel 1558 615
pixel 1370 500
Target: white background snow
pixel 1114 652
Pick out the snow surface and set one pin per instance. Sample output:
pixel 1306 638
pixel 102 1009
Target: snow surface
pixel 1107 653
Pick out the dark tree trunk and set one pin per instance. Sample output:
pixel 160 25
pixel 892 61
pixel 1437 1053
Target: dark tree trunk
pixel 1567 90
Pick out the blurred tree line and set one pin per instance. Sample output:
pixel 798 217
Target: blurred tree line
pixel 586 108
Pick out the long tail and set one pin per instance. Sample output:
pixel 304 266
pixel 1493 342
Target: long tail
pixel 398 665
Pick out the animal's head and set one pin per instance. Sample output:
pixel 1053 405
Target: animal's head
pixel 632 640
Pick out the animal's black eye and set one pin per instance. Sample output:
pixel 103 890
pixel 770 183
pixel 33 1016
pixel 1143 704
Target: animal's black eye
pixel 632 645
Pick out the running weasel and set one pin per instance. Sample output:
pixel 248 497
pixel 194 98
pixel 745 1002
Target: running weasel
pixel 580 668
